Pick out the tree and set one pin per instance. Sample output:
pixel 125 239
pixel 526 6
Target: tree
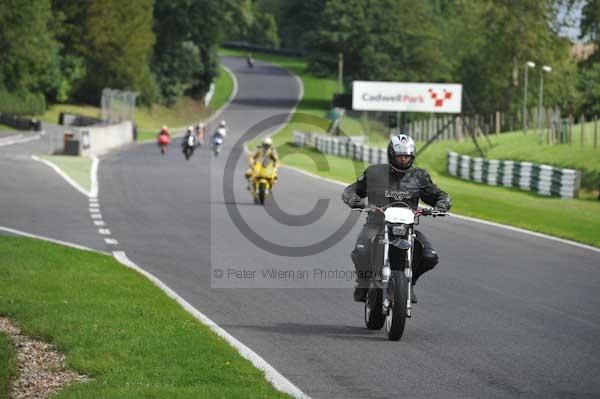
pixel 118 45
pixel 488 43
pixel 27 45
pixel 200 22
pixel 380 40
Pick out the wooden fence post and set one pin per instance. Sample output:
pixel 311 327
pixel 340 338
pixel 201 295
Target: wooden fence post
pixel 570 138
pixel 582 121
pixel 497 123
pixel 595 131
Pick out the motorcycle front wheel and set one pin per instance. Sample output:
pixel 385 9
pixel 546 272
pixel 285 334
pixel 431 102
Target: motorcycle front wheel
pixel 262 193
pixel 398 295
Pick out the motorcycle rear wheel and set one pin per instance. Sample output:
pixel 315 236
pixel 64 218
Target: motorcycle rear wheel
pixel 398 294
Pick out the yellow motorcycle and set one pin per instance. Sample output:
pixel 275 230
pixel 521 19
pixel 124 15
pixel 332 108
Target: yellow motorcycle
pixel 262 179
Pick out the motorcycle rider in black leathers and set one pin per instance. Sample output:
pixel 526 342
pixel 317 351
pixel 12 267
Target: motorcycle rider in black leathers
pixel 385 183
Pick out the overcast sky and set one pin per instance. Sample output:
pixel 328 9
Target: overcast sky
pixel 572 20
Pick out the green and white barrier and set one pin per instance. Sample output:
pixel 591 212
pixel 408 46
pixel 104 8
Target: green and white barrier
pixel 343 147
pixel 542 179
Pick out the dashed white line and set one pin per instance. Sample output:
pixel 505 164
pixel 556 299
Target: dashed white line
pixel 105 232
pixel 96 216
pixel 111 241
pixel 99 223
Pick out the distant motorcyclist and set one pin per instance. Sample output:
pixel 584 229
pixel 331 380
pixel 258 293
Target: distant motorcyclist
pixel 386 183
pixel 218 137
pixel 200 130
pixel 188 144
pixel 163 139
pixel 249 60
pixel 264 150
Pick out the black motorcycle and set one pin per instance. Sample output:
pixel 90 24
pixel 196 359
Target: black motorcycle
pixel 189 145
pixel 392 252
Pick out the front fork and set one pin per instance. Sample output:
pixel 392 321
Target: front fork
pixel 387 272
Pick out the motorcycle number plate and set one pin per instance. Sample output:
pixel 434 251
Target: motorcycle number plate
pixel 399 215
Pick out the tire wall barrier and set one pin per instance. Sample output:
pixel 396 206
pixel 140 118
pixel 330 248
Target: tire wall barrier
pixel 342 147
pixel 541 179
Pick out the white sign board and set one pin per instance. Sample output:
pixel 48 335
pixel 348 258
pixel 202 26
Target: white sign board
pixel 407 97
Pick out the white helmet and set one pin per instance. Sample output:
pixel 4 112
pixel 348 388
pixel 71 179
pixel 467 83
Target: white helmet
pixel 222 123
pixel 401 145
pixel 267 142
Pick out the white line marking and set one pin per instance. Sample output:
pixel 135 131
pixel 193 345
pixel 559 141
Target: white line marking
pixel 94 208
pixel 467 218
pixel 43 238
pixel 96 216
pixel 62 174
pixel 19 141
pixel 111 241
pixel 272 375
pixel 10 138
pixel 529 232
pixel 99 223
pixel 105 232
pixel 94 177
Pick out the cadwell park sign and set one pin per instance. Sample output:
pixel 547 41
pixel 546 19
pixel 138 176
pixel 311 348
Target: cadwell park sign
pixel 407 97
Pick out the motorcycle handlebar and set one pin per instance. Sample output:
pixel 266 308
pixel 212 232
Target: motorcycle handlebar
pixel 418 212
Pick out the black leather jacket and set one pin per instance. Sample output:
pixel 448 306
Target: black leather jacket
pixel 382 184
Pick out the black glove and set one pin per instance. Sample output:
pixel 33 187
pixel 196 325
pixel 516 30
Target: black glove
pixel 441 206
pixel 356 202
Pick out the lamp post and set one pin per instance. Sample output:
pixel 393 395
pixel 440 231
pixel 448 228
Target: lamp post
pixel 528 65
pixel 545 68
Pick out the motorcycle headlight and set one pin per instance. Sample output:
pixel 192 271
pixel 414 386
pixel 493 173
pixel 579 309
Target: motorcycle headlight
pixel 400 230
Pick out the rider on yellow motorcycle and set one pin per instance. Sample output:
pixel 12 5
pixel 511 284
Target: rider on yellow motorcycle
pixel 264 150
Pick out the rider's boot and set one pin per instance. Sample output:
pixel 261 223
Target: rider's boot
pixel 360 294
pixel 360 291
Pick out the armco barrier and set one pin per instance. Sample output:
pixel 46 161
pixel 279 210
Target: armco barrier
pixel 343 147
pixel 542 179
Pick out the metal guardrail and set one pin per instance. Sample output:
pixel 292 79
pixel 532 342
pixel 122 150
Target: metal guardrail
pixel 542 179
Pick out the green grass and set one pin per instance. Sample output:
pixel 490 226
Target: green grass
pixel 223 89
pixel 185 111
pixel 577 219
pixel 5 128
pixel 117 327
pixel 78 168
pixel 7 365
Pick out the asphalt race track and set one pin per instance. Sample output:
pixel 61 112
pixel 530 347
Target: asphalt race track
pixel 504 314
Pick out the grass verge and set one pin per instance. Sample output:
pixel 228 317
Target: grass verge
pixel 5 128
pixel 184 112
pixel 78 168
pixel 577 219
pixel 7 364
pixel 117 327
